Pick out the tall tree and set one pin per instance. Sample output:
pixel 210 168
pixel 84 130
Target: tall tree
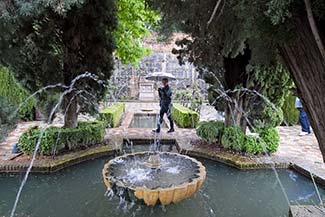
pixel 49 42
pixel 225 59
pixel 291 29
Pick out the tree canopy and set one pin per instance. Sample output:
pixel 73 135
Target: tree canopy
pixel 54 41
pixel 269 29
pixel 135 20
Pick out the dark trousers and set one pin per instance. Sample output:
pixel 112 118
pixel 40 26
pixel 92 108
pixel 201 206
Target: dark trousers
pixel 304 122
pixel 165 110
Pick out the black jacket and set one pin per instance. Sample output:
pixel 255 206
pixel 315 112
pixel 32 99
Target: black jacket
pixel 165 95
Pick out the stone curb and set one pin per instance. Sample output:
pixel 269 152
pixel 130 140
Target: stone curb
pixel 61 162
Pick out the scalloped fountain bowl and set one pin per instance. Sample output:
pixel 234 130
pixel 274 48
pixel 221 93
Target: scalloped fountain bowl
pixel 154 177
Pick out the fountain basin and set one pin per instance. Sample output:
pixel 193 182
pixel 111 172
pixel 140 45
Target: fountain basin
pixel 178 177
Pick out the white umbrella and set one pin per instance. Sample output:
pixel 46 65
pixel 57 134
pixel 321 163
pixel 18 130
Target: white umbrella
pixel 158 76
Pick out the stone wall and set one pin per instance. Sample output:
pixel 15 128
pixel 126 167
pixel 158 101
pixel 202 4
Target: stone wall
pixel 132 79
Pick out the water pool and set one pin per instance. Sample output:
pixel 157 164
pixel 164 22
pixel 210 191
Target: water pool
pixel 79 192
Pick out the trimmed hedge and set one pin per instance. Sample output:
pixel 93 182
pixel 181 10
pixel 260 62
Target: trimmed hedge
pixel 112 115
pixel 234 139
pixel 184 117
pixel 15 94
pixel 290 113
pixel 271 139
pixel 210 131
pixel 55 139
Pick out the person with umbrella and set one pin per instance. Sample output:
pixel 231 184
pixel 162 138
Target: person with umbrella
pixel 165 96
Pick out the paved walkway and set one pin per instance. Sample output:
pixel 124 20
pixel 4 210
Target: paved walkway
pixel 302 151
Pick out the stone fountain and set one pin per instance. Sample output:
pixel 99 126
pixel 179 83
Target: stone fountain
pixel 154 177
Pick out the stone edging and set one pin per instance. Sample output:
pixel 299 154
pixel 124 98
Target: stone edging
pixel 243 163
pixel 239 162
pixel 59 163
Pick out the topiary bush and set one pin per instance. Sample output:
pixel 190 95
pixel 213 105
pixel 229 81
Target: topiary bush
pixel 271 138
pixel 253 145
pixel 290 113
pixel 113 114
pixel 15 95
pixel 184 117
pixel 210 130
pixel 56 140
pixel 233 138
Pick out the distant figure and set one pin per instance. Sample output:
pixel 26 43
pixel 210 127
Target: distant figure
pixel 303 119
pixel 165 95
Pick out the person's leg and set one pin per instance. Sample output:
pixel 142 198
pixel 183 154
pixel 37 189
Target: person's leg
pixel 304 122
pixel 161 119
pixel 171 122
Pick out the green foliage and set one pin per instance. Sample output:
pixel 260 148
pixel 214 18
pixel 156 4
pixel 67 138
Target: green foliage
pixel 112 115
pixel 270 137
pixel 242 76
pixel 190 97
pixel 7 117
pixel 210 130
pixel 290 113
pixel 15 94
pixel 233 138
pixel 253 145
pixel 184 117
pixel 51 42
pixel 56 140
pixel 270 118
pixel 135 20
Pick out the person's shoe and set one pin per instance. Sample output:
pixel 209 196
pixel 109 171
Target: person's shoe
pixel 304 134
pixel 171 131
pixel 156 131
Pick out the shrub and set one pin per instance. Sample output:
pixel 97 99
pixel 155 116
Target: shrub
pixel 55 140
pixel 112 115
pixel 252 145
pixel 184 117
pixel 7 118
pixel 290 113
pixel 210 130
pixel 270 137
pixel 15 95
pixel 271 118
pixel 233 138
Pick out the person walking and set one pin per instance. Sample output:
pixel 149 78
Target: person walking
pixel 165 95
pixel 303 119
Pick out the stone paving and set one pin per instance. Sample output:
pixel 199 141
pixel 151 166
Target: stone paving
pixel 301 151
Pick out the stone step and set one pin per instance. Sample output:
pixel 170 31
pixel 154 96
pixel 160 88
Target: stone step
pixel 306 211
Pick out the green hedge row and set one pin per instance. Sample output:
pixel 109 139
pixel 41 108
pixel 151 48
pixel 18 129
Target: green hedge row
pixel 15 94
pixel 233 138
pixel 56 140
pixel 184 117
pixel 113 114
pixel 210 131
pixel 290 113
